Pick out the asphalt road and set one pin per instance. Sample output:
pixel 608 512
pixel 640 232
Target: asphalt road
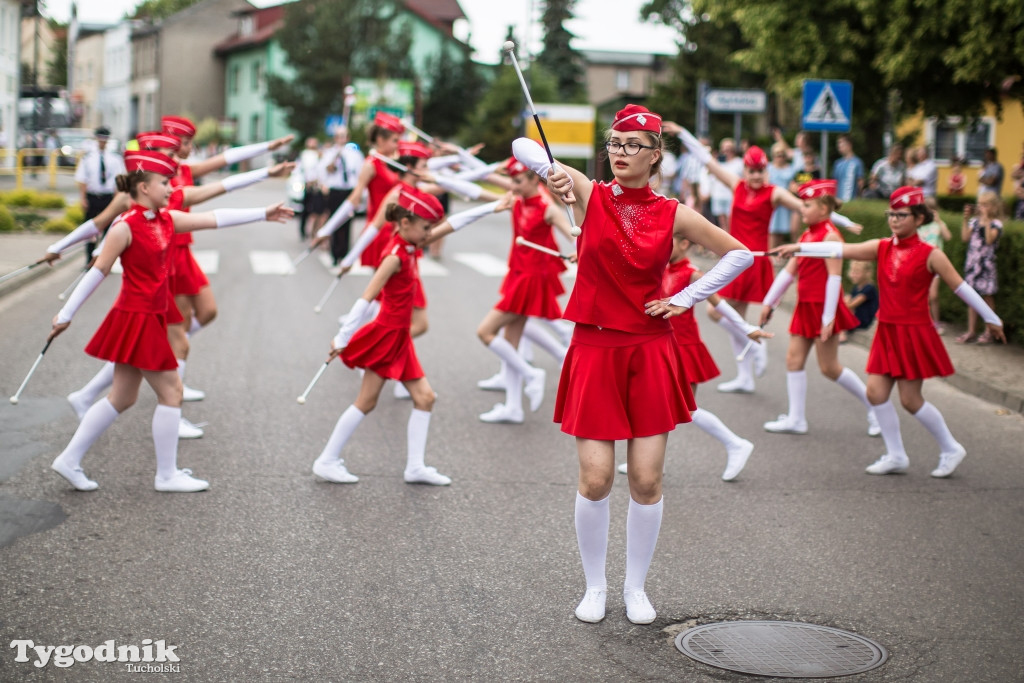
pixel 273 574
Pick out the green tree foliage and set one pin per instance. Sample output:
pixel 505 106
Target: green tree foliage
pixel 499 118
pixel 154 10
pixel 331 42
pixel 57 67
pixel 456 85
pixel 558 57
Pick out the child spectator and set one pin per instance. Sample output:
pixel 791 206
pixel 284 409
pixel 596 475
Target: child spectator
pixel 934 233
pixel 957 179
pixel 863 297
pixel 981 232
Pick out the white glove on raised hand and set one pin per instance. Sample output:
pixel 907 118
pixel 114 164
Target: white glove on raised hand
pixel 694 146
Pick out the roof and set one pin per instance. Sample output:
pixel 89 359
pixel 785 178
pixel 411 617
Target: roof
pixel 266 22
pixel 440 14
pixel 618 58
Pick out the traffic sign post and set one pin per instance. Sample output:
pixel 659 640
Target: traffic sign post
pixel 736 101
pixel 827 107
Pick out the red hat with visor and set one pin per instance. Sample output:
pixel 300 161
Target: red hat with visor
pixel 906 196
pixel 157 140
pixel 388 122
pixel 178 125
pixel 149 161
pixel 634 117
pixel 413 149
pixel 817 188
pixel 424 205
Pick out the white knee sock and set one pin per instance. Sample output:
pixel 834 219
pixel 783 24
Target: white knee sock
pixel 416 435
pixel 513 389
pixel 745 367
pixel 643 522
pixel 99 384
pixel 165 440
pixel 539 336
pixel 796 386
pixel 562 329
pixel 343 430
pixel 889 421
pixel 95 421
pixel 849 380
pixel 505 351
pixel 592 520
pixel 933 421
pixel 710 423
pixel 734 332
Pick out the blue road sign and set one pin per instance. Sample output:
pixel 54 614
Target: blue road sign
pixel 333 122
pixel 827 106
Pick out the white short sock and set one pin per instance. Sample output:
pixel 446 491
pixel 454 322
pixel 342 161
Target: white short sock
pixel 643 523
pixel 711 424
pixel 181 369
pixel 796 386
pixel 849 380
pixel 95 421
pixel 165 440
pixel 416 435
pixel 889 421
pixel 343 430
pixel 933 421
pixel 592 520
pixel 194 327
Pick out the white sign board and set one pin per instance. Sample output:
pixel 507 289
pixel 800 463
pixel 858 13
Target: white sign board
pixel 736 101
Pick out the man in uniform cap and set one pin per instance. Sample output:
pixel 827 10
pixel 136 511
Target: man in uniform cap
pixel 95 176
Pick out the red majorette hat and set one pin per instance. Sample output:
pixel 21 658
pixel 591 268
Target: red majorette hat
pixel 817 188
pixel 157 140
pixel 634 117
pixel 906 196
pixel 514 167
pixel 153 162
pixel 422 204
pixel 755 158
pixel 388 122
pixel 178 125
pixel 413 149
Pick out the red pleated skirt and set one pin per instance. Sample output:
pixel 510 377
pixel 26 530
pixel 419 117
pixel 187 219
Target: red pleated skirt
pixel 419 295
pixel 806 321
pixel 174 316
pixel 133 338
pixel 908 352
pixel 188 278
pixel 616 385
pixel 531 294
pixel 698 365
pixel 388 351
pixel 752 284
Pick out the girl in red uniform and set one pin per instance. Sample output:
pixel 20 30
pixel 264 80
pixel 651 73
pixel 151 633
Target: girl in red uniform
pixel 906 349
pixel 384 348
pixel 754 200
pixel 820 313
pixel 134 333
pixel 530 289
pixel 623 377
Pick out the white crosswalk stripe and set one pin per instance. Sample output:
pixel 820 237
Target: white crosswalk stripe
pixel 270 262
pixel 208 260
pixel 428 267
pixel 485 264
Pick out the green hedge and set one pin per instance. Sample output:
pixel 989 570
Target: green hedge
pixel 6 219
pixel 32 198
pixel 61 225
pixel 1009 261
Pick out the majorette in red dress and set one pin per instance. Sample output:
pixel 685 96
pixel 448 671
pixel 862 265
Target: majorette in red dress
pixel 748 223
pixel 812 275
pixel 187 277
pixel 532 285
pixel 698 364
pixel 383 180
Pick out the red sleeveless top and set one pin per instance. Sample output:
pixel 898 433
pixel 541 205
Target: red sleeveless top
pixel 528 222
pixel 179 182
pixel 383 180
pixel 903 280
pixel 812 275
pixel 146 261
pixel 677 277
pixel 751 214
pixel 397 294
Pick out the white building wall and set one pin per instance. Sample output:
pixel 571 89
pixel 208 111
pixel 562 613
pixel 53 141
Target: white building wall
pixel 115 94
pixel 10 49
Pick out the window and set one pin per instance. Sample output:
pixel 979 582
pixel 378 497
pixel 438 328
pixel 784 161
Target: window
pixel 246 25
pixel 622 80
pixel 257 75
pixel 233 79
pixel 255 134
pixel 952 137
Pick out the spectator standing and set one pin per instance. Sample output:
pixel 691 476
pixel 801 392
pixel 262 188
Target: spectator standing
pixel 339 171
pixel 848 171
pixel 863 297
pixel 887 174
pixel 722 194
pixel 981 232
pixel 923 173
pixel 991 177
pixel 957 180
pixel 935 233
pixel 312 197
pixel 780 174
pixel 807 171
pixel 96 177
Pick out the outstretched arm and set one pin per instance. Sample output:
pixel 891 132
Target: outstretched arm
pixel 223 218
pixel 237 154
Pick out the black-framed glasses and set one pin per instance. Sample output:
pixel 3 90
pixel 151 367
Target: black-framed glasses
pixel 629 149
pixel 898 215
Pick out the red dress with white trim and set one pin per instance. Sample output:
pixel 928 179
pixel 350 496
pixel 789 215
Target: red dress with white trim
pixel 812 276
pixel 188 277
pixel 623 376
pixel 384 345
pixel 906 345
pixel 751 215
pixel 135 330
pixel 377 189
pixel 698 365
pixel 532 285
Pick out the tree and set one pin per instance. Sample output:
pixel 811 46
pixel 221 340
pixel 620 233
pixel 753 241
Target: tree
pixel 154 10
pixel 558 58
pixel 456 86
pixel 331 42
pixel 57 67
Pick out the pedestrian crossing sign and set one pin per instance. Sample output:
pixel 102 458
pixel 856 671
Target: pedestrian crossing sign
pixel 827 106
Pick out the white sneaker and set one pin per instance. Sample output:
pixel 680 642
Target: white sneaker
pixel 334 471
pixel 737 453
pixel 591 607
pixel 623 469
pixel 495 382
pixel 426 475
pixel 949 462
pixel 181 482
pixel 534 389
pixel 187 430
pixel 502 413
pixel 639 609
pixel 874 429
pixel 889 464
pixel 401 392
pixel 78 404
pixel 760 359
pixel 737 386
pixel 190 394
pixel 75 476
pixel 785 425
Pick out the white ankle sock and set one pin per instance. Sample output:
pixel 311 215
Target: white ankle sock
pixel 416 435
pixel 889 421
pixel 95 421
pixel 181 369
pixel 539 336
pixel 643 522
pixel 194 327
pixel 592 520
pixel 710 423
pixel 343 430
pixel 513 389
pixel 165 440
pixel 99 384
pixel 849 380
pixel 933 421
pixel 796 386
pixel 505 351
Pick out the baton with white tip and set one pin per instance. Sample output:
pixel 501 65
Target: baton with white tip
pixel 299 259
pixel 390 162
pixel 327 295
pixel 750 344
pixel 522 241
pixel 74 283
pixel 301 400
pixel 14 399
pixel 19 271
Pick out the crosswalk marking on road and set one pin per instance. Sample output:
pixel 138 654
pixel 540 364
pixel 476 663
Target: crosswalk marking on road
pixel 270 262
pixel 208 260
pixel 485 264
pixel 428 267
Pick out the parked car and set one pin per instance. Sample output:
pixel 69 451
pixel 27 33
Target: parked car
pixel 73 142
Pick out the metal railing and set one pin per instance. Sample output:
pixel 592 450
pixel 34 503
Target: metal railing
pixel 37 160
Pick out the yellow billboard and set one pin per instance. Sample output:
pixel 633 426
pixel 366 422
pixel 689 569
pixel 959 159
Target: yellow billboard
pixel 569 129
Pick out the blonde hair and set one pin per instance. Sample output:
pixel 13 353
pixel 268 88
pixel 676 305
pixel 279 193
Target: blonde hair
pixel 992 202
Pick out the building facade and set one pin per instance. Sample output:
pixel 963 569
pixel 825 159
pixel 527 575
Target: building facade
pixel 10 54
pixel 89 56
pixel 114 100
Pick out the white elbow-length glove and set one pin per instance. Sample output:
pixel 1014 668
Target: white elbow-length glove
pixel 725 271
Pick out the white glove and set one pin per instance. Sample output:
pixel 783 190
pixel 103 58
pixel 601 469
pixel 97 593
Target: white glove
pixel 725 271
pixel 821 249
pixel 344 212
pixel 237 154
pixel 833 287
pixel 240 180
pixel 468 160
pixel 531 155
pixel 971 297
pixel 353 321
pixel 458 186
pixel 474 174
pixel 90 281
pixel 779 286
pixel 730 314
pixel 227 217
pixel 360 246
pixel 85 231
pixel 840 221
pixel 463 218
pixel 437 163
pixel 694 147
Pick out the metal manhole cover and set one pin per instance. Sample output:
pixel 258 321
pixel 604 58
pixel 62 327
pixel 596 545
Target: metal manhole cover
pixel 785 649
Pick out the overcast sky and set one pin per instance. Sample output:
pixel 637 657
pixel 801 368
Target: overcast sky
pixel 599 24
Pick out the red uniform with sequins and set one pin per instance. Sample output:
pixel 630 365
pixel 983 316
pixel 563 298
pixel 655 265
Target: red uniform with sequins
pixel 377 189
pixel 906 345
pixel 698 364
pixel 812 276
pixel 384 345
pixel 532 285
pixel 187 278
pixel 135 330
pixel 623 376
pixel 748 222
